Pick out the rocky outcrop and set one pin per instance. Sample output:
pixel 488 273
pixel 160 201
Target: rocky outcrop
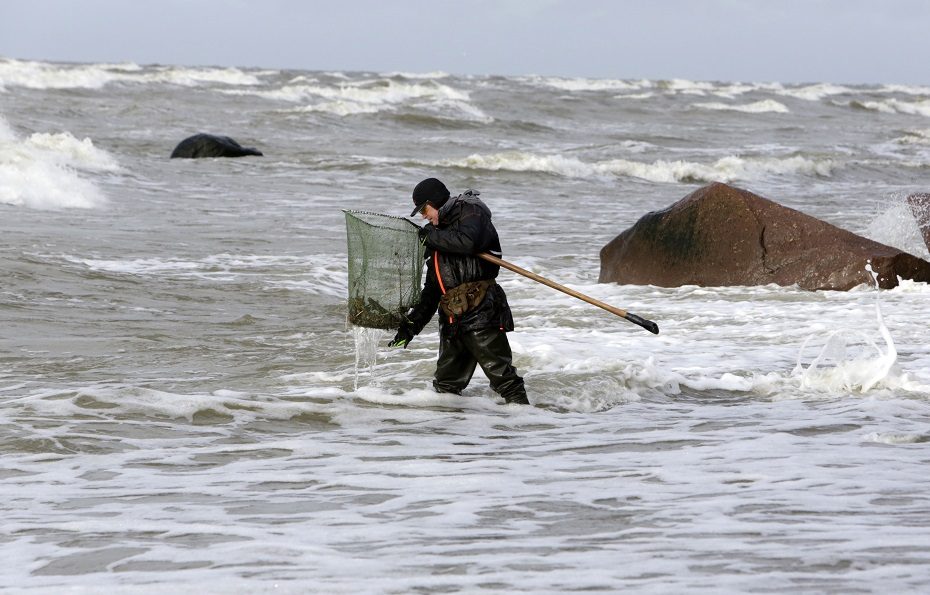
pixel 920 208
pixel 720 235
pixel 211 145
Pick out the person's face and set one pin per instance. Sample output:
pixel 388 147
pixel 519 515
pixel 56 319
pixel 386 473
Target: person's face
pixel 430 213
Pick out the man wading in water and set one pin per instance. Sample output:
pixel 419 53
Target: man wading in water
pixel 474 315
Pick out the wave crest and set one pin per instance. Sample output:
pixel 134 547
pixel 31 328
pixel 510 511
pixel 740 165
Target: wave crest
pixel 757 107
pixel 41 172
pixel 895 106
pixel 46 75
pixel 727 169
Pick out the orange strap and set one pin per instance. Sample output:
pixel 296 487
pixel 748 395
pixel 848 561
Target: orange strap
pixel 442 286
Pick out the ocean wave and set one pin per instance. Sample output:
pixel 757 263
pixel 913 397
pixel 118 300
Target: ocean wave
pixel 727 169
pixel 341 108
pixel 368 97
pixel 46 75
pixel 895 106
pixel 222 406
pixel 43 75
pixel 191 77
pixel 915 137
pixel 418 75
pixel 312 274
pixel 378 91
pixel 648 88
pixel 42 171
pixel 670 86
pixel 811 92
pixel 904 89
pixel 687 87
pixel 646 95
pixel 757 107
pixel 587 84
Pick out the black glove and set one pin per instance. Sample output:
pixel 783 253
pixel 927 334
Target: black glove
pixel 402 337
pixel 423 232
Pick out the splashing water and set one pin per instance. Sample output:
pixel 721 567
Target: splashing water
pixel 850 360
pixel 366 351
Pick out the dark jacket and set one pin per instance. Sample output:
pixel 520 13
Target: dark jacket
pixel 464 230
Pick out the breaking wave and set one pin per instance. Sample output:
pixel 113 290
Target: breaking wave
pixel 42 171
pixel 757 107
pixel 373 96
pixel 812 92
pixel 726 169
pixel 895 106
pixel 45 75
pixel 915 137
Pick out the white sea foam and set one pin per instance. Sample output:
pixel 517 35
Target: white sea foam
pixel 438 74
pixel 905 89
pixel 315 274
pixel 66 150
pixel 915 137
pixel 342 108
pixel 812 92
pixel 373 96
pixel 894 438
pixel 374 92
pixel 646 95
pixel 46 75
pixel 647 88
pixel 896 106
pixel 756 107
pixel 725 169
pixel 42 171
pixel 586 84
pixel 191 77
pixel 150 402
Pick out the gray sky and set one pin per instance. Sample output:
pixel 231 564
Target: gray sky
pixel 839 41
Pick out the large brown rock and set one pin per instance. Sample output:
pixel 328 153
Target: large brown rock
pixel 720 235
pixel 920 208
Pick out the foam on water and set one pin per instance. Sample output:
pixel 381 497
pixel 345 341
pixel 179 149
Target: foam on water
pixel 895 106
pixel 44 75
pixel 585 84
pixel 915 137
pixel 372 96
pixel 435 75
pixel 42 171
pixel 726 169
pixel 314 274
pixel 814 92
pixel 757 107
pixel 851 361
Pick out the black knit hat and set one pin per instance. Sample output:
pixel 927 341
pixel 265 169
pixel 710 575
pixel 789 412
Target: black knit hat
pixel 430 191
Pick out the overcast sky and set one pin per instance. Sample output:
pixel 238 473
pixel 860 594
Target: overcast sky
pixel 839 41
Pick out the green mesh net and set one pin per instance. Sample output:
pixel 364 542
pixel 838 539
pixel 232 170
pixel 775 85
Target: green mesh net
pixel 385 268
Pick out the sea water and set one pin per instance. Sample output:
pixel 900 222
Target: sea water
pixel 183 406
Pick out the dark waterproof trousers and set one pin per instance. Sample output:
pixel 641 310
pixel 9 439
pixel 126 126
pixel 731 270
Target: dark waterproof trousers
pixel 488 347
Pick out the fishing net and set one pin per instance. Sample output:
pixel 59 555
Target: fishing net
pixel 385 268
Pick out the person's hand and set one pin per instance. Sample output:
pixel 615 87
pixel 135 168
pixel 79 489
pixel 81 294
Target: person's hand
pixel 423 232
pixel 401 339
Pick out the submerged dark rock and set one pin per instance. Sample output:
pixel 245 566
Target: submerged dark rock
pixel 720 235
pixel 211 145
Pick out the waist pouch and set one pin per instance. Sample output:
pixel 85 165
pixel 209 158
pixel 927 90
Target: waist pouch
pixel 465 297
